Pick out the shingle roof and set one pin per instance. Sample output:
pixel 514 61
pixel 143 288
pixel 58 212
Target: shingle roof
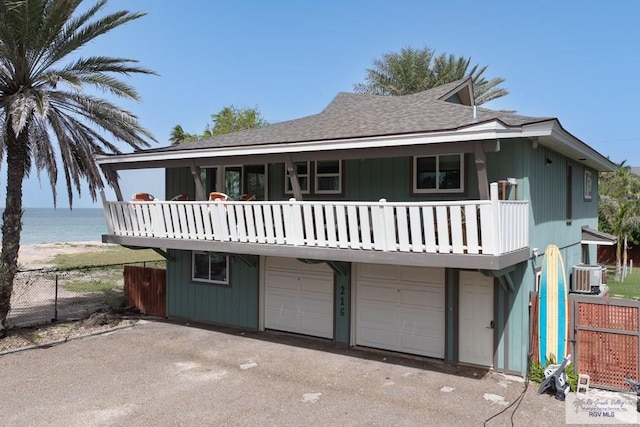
pixel 352 115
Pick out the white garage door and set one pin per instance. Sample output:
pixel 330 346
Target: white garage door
pixel 298 297
pixel 400 308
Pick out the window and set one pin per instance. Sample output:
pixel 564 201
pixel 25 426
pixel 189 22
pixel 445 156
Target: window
pixel 233 181
pixel 588 185
pixel 569 194
pixel 237 180
pixel 302 170
pixel 210 268
pixel 328 177
pixel 255 181
pixel 439 174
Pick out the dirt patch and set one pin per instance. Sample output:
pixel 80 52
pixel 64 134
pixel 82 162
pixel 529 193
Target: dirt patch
pixel 97 322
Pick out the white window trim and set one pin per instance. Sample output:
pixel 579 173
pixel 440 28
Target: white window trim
pixel 327 175
pixel 437 190
pixel 287 180
pixel 201 280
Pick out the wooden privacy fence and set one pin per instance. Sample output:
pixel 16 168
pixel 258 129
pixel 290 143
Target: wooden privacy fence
pixel 145 289
pixel 607 255
pixel 604 335
pixel 607 339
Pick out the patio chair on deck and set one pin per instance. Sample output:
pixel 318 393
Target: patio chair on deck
pixel 180 198
pixel 142 197
pixel 215 195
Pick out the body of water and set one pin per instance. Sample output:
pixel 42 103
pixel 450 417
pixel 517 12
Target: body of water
pixel 44 225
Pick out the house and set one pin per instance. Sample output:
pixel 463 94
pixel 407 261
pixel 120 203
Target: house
pixel 413 224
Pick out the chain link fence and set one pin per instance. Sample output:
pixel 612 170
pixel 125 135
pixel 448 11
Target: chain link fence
pixel 49 295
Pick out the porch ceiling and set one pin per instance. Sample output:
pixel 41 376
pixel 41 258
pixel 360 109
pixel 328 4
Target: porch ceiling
pixel 465 261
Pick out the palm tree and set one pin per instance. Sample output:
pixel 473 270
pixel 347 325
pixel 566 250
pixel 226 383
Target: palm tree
pixel 46 111
pixel 415 70
pixel 619 212
pixel 179 136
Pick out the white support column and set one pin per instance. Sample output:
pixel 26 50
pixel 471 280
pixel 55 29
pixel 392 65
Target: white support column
pixel 495 207
pixel 481 170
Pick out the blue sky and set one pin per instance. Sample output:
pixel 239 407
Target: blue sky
pixel 575 60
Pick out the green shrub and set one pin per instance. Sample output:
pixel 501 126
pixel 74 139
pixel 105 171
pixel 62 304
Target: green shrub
pixel 536 372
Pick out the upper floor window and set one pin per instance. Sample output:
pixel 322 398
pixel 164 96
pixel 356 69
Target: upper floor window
pixel 210 268
pixel 569 198
pixel 588 186
pixel 237 180
pixel 328 177
pixel 302 170
pixel 439 174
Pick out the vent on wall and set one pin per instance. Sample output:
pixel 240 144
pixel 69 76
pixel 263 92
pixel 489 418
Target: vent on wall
pixel 586 278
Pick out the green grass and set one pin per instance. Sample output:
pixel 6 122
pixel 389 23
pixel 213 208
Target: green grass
pixel 629 289
pixel 83 286
pixel 111 255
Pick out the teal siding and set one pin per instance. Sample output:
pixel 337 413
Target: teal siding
pixel 544 186
pixel 179 181
pixel 388 178
pixel 342 307
pixel 517 318
pixel 391 178
pixel 234 305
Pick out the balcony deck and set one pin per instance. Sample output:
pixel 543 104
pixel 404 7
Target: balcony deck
pixel 489 234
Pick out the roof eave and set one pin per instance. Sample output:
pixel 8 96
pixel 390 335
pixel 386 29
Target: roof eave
pixel 489 130
pixel 549 131
pixel 579 150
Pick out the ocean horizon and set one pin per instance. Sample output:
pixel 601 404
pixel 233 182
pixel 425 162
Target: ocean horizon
pixel 48 225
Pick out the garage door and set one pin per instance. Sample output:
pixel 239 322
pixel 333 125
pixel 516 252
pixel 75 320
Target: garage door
pixel 400 308
pixel 298 297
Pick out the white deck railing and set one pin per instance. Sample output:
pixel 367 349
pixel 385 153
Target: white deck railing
pixel 489 227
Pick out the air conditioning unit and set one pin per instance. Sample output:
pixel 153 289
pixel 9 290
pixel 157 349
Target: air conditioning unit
pixel 586 279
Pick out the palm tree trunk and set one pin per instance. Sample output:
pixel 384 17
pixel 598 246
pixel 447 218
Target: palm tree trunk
pixel 618 256
pixel 11 220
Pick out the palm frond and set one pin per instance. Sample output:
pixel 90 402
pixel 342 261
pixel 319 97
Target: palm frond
pixel 45 101
pixel 415 70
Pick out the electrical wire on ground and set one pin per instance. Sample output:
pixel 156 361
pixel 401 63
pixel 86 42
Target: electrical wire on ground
pixel 518 400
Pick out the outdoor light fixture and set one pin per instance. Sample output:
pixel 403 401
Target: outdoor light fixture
pixel 548 161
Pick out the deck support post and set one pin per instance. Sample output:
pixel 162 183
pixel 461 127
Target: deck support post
pixel 200 191
pixel 481 170
pixel 112 178
pixel 293 176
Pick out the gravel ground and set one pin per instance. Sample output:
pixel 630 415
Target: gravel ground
pixel 158 373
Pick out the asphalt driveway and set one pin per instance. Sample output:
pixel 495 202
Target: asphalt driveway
pixel 163 374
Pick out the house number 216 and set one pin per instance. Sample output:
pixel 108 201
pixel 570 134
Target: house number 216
pixel 343 305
